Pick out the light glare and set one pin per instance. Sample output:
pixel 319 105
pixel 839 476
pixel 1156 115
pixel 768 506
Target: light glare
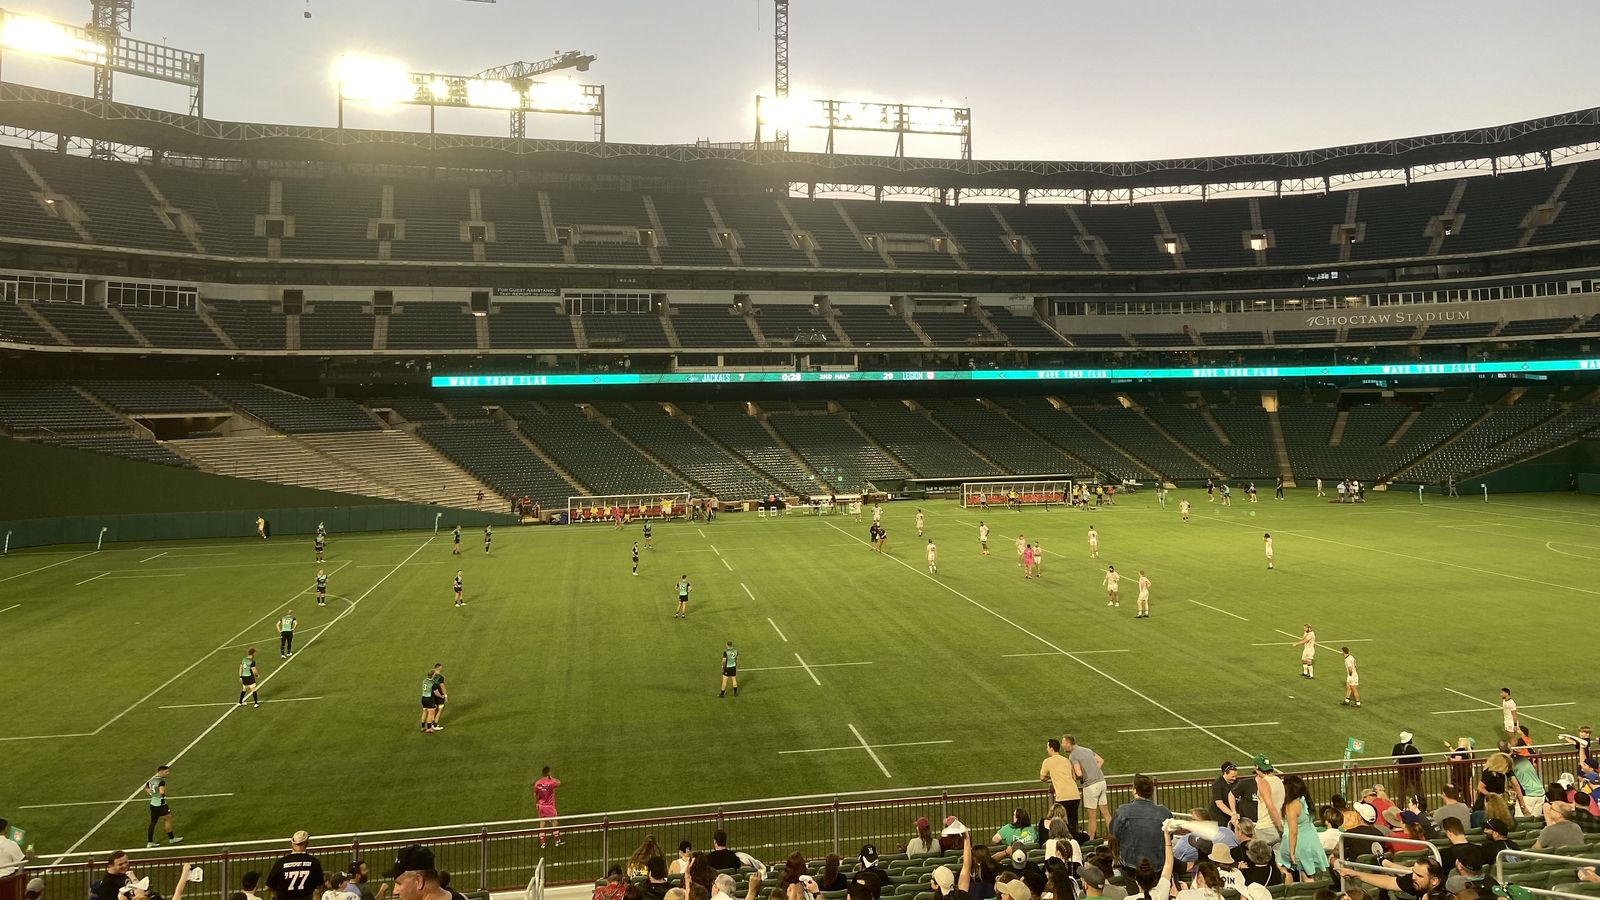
pixel 376 81
pixel 42 37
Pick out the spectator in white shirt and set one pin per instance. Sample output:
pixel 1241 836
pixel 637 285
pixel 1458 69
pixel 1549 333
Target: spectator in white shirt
pixel 11 855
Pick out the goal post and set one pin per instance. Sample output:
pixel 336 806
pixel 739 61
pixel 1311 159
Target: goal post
pixel 1028 492
pixel 604 507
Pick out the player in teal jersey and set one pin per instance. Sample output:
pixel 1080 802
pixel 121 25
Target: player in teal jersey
pixel 636 556
pixel 320 542
pixel 683 598
pixel 730 670
pixel 156 789
pixel 647 534
pixel 459 600
pixel 322 588
pixel 455 545
pixel 440 695
pixel 286 626
pixel 488 536
pixel 430 705
pixel 247 678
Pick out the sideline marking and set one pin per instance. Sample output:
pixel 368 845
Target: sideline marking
pixel 850 747
pixel 177 575
pixel 769 622
pixel 1072 656
pixel 1052 653
pixel 811 666
pixel 868 747
pixel 1448 712
pixel 725 563
pixel 808 671
pixel 157 556
pixel 11 607
pixel 51 566
pixel 1487 706
pixel 701 533
pixel 95 578
pixel 1189 727
pixel 748 594
pixel 1223 611
pixel 106 802
pixel 138 791
pixel 225 703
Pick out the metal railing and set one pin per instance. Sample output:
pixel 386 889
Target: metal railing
pixel 501 855
pixel 1519 855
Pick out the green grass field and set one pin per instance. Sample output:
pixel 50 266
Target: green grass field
pixel 119 660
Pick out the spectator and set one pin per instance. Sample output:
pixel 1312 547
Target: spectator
pixel 249 883
pixel 724 886
pixel 1459 758
pixel 1106 862
pixel 985 874
pixel 655 884
pixel 35 889
pixel 1020 828
pixel 1423 878
pixel 1058 883
pixel 637 864
pixel 1090 769
pixel 831 879
pixel 793 868
pixel 297 875
pixel 1063 846
pixel 1012 888
pixel 1258 866
pixel 680 864
pixel 925 840
pixel 1348 817
pixel 414 874
pixel 1492 780
pixel 1451 807
pixel 1408 759
pixel 1301 851
pixel 1494 837
pixel 360 875
pixel 337 887
pixel 1136 826
pixel 1527 785
pixel 615 886
pixel 1331 836
pixel 1224 808
pixel 679 893
pixel 1026 869
pixel 1495 807
pixel 140 890
pixel 1269 788
pixel 1455 834
pixel 114 878
pixel 1559 830
pixel 700 871
pixel 1058 770
pixel 867 869
pixel 948 885
pixel 11 855
pixel 721 857
pixel 1095 884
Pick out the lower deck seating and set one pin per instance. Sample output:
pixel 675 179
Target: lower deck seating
pixel 835 450
pixel 52 407
pixel 126 446
pixel 675 443
pixel 918 442
pixel 493 453
pixel 281 459
pixel 743 434
pixel 592 452
pixel 405 463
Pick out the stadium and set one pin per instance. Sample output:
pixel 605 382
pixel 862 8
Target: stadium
pixel 308 384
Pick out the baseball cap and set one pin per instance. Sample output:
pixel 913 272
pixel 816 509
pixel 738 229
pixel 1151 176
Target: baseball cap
pixel 300 837
pixel 1261 763
pixel 1405 737
pixel 922 822
pixel 132 887
pixel 1092 876
pixel 1410 818
pixel 1015 890
pixel 1566 780
pixel 1229 767
pixel 1470 855
pixel 869 853
pixel 1498 826
pixel 1019 857
pixel 945 879
pixel 415 858
pixel 1391 816
pixel 36 886
pixel 1367 812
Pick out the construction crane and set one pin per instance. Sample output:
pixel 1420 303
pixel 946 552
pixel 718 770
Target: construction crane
pixel 520 75
pixel 780 62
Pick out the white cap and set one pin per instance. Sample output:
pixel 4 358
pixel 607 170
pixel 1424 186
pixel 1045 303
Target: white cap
pixel 1405 737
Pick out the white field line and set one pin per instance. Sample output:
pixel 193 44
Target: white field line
pixel 1496 707
pixel 1072 656
pixel 724 563
pixel 852 747
pixel 1545 520
pixel 268 639
pixel 229 711
pixel 1547 546
pixel 51 566
pixel 1191 727
pixel 1319 643
pixel 808 667
pixel 137 703
pixel 701 533
pixel 808 670
pixel 715 550
pixel 95 578
pixel 870 752
pixel 108 802
pixel 1426 559
pixel 1053 653
pixel 747 591
pixel 157 556
pixel 210 568
pixel 109 576
pixel 1451 712
pixel 1484 525
pixel 1223 611
pixel 226 703
pixel 769 622
pixel 10 608
pixel 1330 646
pixel 689 551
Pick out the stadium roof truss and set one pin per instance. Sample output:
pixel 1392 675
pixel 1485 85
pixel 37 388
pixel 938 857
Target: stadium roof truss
pixel 1537 142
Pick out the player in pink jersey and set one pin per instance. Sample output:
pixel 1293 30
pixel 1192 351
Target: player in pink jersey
pixel 1027 561
pixel 544 792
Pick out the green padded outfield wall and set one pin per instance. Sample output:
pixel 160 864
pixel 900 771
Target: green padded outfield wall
pixel 54 495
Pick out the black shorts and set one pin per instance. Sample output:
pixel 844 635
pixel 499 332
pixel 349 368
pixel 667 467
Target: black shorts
pixel 247 680
pixel 322 592
pixel 683 599
pixel 157 812
pixel 731 672
pixel 429 703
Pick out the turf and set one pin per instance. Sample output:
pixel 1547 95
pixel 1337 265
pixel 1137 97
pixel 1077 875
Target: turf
pixel 563 658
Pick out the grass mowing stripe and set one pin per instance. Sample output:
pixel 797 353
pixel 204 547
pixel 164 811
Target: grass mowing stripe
pixel 51 566
pixel 230 710
pixel 1098 671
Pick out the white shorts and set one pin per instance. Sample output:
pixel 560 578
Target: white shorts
pixel 1094 795
pixel 1144 596
pixel 1353 680
pixel 1510 727
pixel 1307 660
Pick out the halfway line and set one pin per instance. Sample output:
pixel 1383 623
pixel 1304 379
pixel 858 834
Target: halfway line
pixel 811 666
pixel 868 747
pixel 1075 658
pixel 1051 653
pixel 1319 643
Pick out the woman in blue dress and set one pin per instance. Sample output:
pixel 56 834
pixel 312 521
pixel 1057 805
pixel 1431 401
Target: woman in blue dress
pixel 1300 852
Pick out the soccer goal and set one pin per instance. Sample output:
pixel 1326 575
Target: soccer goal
pixel 604 507
pixel 1027 493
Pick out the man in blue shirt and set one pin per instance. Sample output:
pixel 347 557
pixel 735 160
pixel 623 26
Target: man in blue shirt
pixel 1137 825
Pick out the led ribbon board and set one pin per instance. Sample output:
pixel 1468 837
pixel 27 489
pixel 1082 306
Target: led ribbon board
pixel 1400 370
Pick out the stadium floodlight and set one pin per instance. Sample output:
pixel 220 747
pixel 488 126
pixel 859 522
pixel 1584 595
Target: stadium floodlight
pixel 42 37
pixel 783 114
pixel 379 82
pixel 384 82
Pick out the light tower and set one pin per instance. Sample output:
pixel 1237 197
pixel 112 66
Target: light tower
pixel 520 75
pixel 110 18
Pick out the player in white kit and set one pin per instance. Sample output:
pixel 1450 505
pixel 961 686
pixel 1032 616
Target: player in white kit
pixel 1183 509
pixel 933 558
pixel 1094 543
pixel 1112 583
pixel 983 538
pixel 1266 538
pixel 1352 681
pixel 919 523
pixel 877 514
pixel 1508 715
pixel 1022 546
pixel 1144 596
pixel 1308 651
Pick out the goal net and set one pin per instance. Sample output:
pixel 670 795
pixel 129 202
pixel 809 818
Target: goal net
pixel 1022 492
pixel 604 507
